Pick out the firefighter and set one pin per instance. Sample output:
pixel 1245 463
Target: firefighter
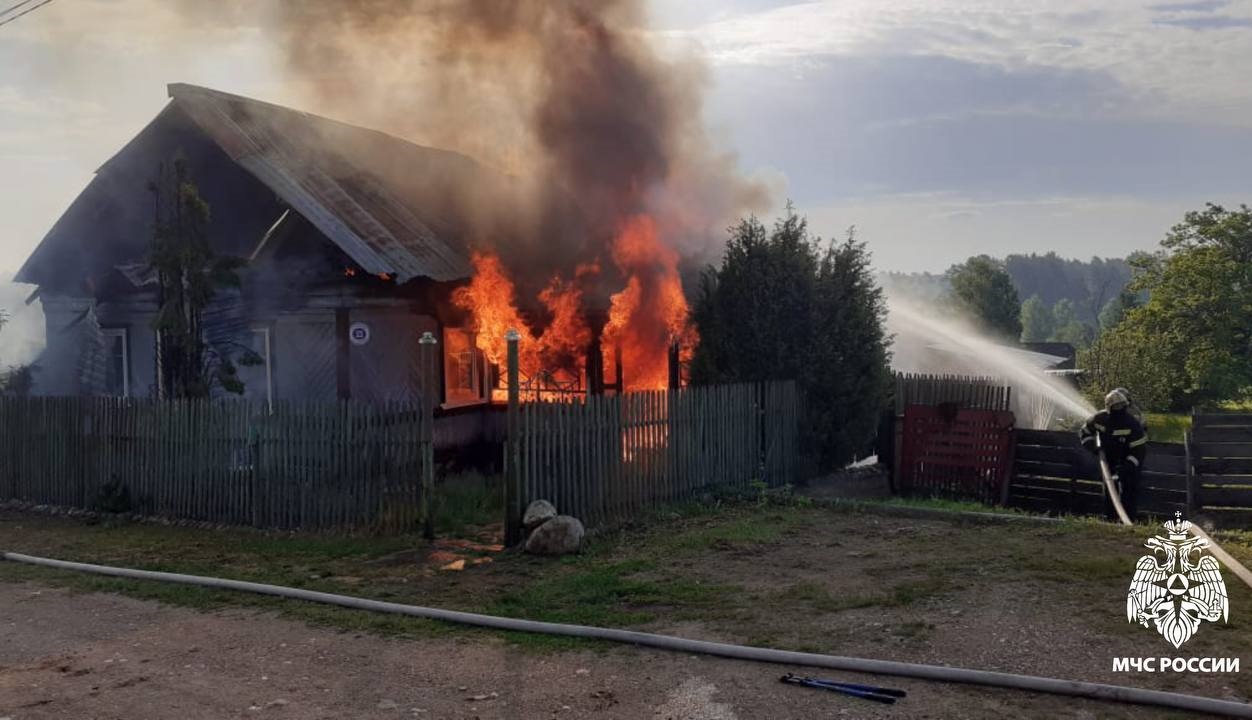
pixel 1125 445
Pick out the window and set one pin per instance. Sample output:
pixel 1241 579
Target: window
pixel 463 368
pixel 117 362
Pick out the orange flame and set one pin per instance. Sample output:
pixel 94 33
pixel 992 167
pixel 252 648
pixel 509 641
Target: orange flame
pixel 564 342
pixel 651 312
pixel 490 298
pixel 645 318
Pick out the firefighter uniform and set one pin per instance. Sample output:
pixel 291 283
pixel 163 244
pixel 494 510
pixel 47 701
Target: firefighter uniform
pixel 1125 446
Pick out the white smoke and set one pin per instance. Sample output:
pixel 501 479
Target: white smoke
pixel 929 341
pixel 22 336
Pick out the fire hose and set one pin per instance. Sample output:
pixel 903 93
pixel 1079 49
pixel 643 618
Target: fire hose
pixel 1218 552
pixel 1056 686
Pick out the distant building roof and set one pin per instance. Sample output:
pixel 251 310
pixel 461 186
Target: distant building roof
pixel 1065 353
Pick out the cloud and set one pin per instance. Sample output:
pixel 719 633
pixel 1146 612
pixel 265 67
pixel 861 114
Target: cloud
pixel 1209 22
pixel 1197 6
pixel 851 126
pixel 1164 72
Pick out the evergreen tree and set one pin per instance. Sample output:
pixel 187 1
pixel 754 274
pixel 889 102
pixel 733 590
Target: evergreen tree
pixel 782 307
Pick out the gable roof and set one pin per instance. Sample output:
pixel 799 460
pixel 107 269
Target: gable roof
pixel 392 206
pixel 324 170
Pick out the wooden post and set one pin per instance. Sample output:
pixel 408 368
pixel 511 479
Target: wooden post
pixel 343 354
pixel 1193 485
pixel 512 456
pixel 618 383
pixel 429 350
pixel 675 376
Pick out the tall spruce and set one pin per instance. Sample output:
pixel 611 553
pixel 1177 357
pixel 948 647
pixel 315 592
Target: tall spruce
pixel 783 306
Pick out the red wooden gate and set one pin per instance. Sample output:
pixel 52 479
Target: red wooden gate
pixel 955 453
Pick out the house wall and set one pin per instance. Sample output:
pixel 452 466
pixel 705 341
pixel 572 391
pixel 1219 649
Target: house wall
pixel 57 368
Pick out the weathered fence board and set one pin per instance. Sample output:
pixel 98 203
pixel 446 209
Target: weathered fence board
pixel 1227 495
pixel 978 393
pixel 1053 473
pixel 302 466
pixel 1221 452
pixel 608 457
pixel 1204 434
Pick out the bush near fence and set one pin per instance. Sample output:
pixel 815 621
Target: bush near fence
pixel 306 466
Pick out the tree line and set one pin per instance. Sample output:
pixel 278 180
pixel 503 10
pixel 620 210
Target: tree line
pixel 1174 326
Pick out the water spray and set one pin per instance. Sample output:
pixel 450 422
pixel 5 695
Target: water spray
pixel 1038 397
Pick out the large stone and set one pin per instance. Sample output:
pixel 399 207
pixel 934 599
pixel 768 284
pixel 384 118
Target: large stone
pixel 539 512
pixel 561 535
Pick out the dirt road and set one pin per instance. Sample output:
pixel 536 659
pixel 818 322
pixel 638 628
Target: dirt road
pixel 107 657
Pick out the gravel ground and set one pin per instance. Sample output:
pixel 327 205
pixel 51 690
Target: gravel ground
pixel 107 657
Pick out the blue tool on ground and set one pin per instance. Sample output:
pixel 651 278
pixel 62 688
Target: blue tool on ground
pixel 866 692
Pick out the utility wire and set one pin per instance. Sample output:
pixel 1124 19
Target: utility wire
pixel 24 12
pixel 6 11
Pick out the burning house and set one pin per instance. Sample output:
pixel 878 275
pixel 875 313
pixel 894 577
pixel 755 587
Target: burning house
pixel 356 244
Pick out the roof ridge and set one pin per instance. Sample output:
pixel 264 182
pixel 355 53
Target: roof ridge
pixel 180 90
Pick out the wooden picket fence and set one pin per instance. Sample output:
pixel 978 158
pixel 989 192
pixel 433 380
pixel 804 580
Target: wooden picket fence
pixel 606 458
pixel 977 393
pixel 307 466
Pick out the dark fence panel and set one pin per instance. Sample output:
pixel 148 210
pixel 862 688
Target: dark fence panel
pixel 1052 473
pixel 1221 451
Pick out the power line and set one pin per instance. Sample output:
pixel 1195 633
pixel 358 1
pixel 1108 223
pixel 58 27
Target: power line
pixel 24 12
pixel 6 11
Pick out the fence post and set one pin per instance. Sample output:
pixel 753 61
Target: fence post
pixel 675 373
pixel 254 479
pixel 512 456
pixel 1193 495
pixel 429 345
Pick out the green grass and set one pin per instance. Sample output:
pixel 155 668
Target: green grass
pixel 769 574
pixel 467 500
pixel 819 597
pixel 1167 427
pixel 942 504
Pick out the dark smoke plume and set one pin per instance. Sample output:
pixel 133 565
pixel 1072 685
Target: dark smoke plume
pixel 569 96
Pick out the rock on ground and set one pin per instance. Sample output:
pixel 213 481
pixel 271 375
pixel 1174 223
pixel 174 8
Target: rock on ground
pixel 561 535
pixel 538 513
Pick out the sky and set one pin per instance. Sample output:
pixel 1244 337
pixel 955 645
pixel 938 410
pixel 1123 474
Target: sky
pixel 939 128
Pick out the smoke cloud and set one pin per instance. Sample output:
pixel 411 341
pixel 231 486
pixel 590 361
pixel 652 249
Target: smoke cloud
pixel 570 97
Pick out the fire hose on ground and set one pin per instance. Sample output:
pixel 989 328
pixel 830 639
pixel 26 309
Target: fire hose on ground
pixel 1056 686
pixel 1110 486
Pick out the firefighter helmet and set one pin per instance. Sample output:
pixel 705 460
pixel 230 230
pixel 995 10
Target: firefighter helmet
pixel 1116 398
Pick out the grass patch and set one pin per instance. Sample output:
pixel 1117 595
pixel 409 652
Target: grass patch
pixel 468 500
pixel 746 529
pixel 816 596
pixel 616 595
pixel 1167 427
pixel 944 504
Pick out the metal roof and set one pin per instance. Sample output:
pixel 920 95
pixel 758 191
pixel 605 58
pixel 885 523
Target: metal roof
pixel 328 172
